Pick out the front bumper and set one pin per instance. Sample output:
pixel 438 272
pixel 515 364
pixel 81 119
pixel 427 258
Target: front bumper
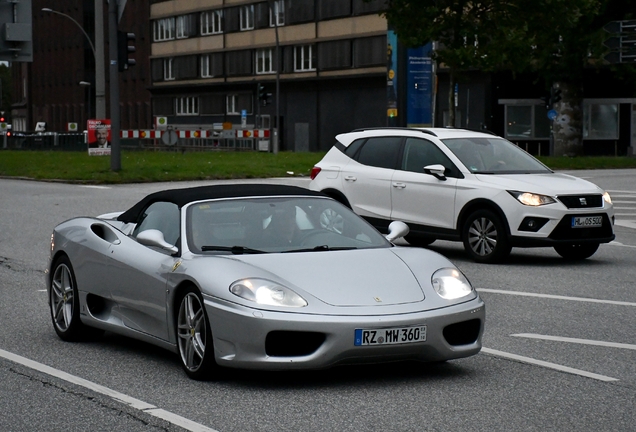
pixel 240 336
pixel 560 232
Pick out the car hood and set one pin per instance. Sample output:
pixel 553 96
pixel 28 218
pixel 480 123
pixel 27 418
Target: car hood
pixel 547 184
pixel 370 277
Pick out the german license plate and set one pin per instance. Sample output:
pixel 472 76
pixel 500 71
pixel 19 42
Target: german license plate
pixel 390 336
pixel 587 221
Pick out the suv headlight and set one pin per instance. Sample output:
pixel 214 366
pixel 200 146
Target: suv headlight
pixel 607 198
pixel 532 199
pixel 265 292
pixel 451 284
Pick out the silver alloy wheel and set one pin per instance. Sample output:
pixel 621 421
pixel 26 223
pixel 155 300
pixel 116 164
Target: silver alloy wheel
pixel 62 297
pixel 482 236
pixel 332 220
pixel 191 327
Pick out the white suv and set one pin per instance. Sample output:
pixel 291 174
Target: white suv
pixel 461 185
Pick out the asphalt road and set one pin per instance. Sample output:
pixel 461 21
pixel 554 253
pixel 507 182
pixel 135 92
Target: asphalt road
pixel 560 346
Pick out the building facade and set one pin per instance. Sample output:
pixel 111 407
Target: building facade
pixel 48 89
pixel 309 68
pixel 314 67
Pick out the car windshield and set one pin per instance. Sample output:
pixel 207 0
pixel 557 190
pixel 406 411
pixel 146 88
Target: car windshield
pixel 277 224
pixel 494 156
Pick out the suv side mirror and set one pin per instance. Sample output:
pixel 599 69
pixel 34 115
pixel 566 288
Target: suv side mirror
pixel 436 171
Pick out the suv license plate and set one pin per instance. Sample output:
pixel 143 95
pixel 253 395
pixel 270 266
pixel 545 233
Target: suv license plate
pixel 587 221
pixel 390 336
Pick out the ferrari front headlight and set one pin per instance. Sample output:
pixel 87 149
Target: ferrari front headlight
pixel 532 199
pixel 265 292
pixel 451 284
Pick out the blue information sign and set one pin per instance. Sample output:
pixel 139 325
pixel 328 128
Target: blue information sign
pixel 419 87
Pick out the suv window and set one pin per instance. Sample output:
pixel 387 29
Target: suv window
pixel 353 148
pixel 381 152
pixel 419 153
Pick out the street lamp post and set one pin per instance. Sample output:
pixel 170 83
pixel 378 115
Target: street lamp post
pixel 88 87
pixel 100 80
pixel 273 7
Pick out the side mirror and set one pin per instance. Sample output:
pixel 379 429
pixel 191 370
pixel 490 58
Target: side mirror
pixel 397 229
pixel 153 237
pixel 436 171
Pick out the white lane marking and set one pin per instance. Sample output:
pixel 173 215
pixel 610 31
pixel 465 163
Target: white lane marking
pixel 557 297
pixel 95 187
pixel 626 224
pixel 615 243
pixel 128 400
pixel 576 340
pixel 548 365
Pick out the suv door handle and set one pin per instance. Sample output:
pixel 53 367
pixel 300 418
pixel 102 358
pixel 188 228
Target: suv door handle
pixel 350 178
pixel 399 185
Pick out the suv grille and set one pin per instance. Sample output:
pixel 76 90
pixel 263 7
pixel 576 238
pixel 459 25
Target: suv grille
pixel 581 201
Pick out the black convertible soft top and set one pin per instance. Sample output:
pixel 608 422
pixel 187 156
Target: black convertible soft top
pixel 184 196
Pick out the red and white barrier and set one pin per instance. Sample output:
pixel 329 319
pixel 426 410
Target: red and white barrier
pixel 156 134
pixel 252 133
pixel 151 134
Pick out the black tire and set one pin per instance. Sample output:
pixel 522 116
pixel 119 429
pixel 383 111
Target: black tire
pixel 64 303
pixel 419 240
pixel 485 237
pixel 577 252
pixel 194 337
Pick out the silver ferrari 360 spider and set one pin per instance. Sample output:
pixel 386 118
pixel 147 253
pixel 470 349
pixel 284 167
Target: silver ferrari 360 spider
pixel 259 277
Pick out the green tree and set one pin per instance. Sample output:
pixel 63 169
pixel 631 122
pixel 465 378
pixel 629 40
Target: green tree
pixel 556 39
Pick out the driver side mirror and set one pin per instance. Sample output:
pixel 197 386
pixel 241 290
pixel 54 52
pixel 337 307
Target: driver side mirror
pixel 436 171
pixel 153 237
pixel 397 229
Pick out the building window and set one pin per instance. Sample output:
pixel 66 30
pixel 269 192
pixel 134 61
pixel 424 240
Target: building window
pixel 247 17
pixel 183 26
pixel 187 105
pixel 600 121
pixel 369 51
pixel 239 63
pixel 205 66
pixel 232 104
pixel 212 22
pixel 235 103
pixel 168 69
pixel 328 9
pixel 264 61
pixel 211 65
pixel 277 14
pixel 212 104
pixel 304 59
pixel 527 122
pixel 335 54
pixel 164 29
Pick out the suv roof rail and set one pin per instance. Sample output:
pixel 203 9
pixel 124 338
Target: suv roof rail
pixel 426 131
pixel 483 130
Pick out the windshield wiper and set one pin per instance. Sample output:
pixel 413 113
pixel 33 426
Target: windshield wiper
pixel 236 250
pixel 321 248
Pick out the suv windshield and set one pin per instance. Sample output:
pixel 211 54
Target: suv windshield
pixel 494 156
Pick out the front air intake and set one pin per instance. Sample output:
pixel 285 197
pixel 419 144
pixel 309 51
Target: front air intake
pixel 292 343
pixel 462 333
